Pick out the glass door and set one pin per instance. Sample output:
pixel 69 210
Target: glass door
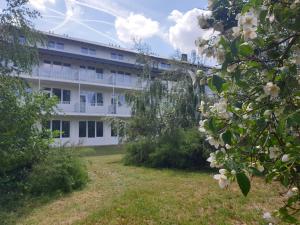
pixel 82 103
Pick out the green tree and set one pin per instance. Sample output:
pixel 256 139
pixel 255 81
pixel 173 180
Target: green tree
pixel 255 124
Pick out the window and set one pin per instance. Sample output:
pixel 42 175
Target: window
pixel 51 44
pixel 47 92
pixel 99 129
pixel 120 57
pixel 165 65
pixel 84 50
pixel 56 127
pixel 88 51
pixel 65 129
pixel 99 99
pixel 99 73
pixel 114 129
pixel 92 51
pixel 82 128
pixel 114 56
pixel 57 92
pixel 66 97
pixel 121 100
pixel 117 56
pixel 91 129
pixel 59 46
pixel 22 40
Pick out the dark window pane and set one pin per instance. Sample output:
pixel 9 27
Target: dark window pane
pixel 114 129
pixel 67 64
pixel 84 50
pixel 51 44
pixel 91 68
pixel 56 63
pixel 82 67
pixel 47 62
pixel 99 99
pixel 82 128
pixel 91 129
pixel 65 129
pixel 99 129
pixel 56 127
pixel 92 51
pixel 66 96
pixel 57 92
pixel 98 70
pixel 60 45
pixel 47 92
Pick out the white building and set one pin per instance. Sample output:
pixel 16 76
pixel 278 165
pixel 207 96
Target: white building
pixel 90 81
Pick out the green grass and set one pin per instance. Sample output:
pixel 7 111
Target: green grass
pixel 118 194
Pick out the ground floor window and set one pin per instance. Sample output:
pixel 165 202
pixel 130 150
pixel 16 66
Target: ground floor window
pixel 114 129
pixel 60 127
pixel 91 129
pixel 82 128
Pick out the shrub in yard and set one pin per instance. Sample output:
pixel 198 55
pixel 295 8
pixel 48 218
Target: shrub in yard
pixel 183 149
pixel 60 171
pixel 137 153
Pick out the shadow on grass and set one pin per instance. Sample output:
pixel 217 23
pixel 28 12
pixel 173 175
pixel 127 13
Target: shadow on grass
pixel 99 150
pixel 15 206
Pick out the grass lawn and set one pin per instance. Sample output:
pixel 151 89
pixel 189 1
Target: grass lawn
pixel 118 194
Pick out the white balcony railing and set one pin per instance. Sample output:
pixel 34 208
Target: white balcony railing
pixel 87 76
pixel 86 108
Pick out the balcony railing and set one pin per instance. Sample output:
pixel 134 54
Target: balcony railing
pixel 85 108
pixel 71 74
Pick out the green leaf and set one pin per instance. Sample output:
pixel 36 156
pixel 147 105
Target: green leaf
pixel 246 49
pixel 217 82
pixel 226 136
pixel 244 183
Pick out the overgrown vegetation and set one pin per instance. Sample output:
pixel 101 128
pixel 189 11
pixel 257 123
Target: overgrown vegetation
pixel 27 164
pixel 162 131
pixel 184 149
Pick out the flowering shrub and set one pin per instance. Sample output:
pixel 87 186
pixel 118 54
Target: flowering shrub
pixel 255 125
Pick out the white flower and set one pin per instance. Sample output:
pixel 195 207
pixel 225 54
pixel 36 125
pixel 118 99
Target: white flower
pixel 214 142
pixel 248 20
pixel 233 172
pixel 274 152
pixel 268 217
pixel 260 168
pixel 292 192
pixel 271 89
pixel 220 55
pixel 231 68
pixel 267 113
pixel 236 31
pixel 222 178
pixel 285 158
pixel 227 146
pixel 294 4
pixel 221 109
pixel 201 126
pixel 249 33
pixel 212 160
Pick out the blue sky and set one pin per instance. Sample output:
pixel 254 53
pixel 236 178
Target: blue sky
pixel 164 25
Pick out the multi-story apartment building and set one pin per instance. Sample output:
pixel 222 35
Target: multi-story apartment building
pixel 90 81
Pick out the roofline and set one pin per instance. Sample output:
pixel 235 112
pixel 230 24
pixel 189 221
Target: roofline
pixel 99 44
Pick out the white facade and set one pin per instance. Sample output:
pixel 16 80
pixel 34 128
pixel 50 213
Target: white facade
pixel 90 81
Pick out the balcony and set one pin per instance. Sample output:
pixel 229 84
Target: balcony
pixel 81 108
pixel 89 77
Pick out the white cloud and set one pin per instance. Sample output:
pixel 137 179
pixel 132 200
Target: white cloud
pixel 40 4
pixel 186 30
pixel 135 26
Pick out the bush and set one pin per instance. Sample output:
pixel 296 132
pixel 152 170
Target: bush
pixel 61 171
pixel 183 149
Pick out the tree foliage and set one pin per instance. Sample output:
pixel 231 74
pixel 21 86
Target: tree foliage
pixel 255 125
